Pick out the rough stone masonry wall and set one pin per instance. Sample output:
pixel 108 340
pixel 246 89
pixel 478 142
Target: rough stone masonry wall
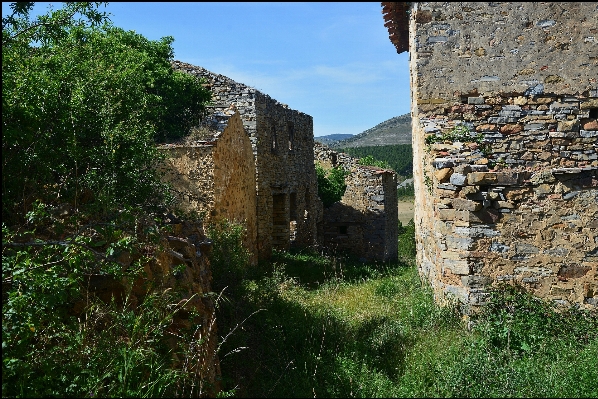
pixel 189 169
pixel 216 178
pixel 286 176
pixel 517 200
pixel 365 221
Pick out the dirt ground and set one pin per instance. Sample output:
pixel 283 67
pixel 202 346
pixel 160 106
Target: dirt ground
pixel 405 211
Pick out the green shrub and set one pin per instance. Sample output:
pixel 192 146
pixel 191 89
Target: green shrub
pixel 83 102
pixel 371 161
pixel 229 259
pixel 331 184
pixel 399 156
pixel 407 247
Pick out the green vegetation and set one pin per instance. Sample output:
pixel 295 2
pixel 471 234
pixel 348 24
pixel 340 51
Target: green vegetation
pixel 331 184
pixel 398 157
pixel 82 105
pixel 307 324
pixel 371 161
pixel 406 193
pixel 406 247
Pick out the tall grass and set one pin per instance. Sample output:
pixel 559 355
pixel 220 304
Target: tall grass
pixel 322 326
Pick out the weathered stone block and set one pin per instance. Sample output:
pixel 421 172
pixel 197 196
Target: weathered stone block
pixel 590 103
pixel 457 266
pixel 476 281
pixel 446 214
pixel 459 243
pixel 458 179
pixel 527 249
pixel 515 194
pixel 568 126
pixel 475 100
pixel 492 178
pixel 573 271
pixel 591 125
pixel 442 175
pixel 466 205
pixel 498 247
pixel 543 189
pixel 511 129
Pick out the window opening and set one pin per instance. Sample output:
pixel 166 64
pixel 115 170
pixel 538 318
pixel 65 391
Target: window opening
pixel 291 129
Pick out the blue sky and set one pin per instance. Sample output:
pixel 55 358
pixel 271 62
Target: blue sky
pixel 333 61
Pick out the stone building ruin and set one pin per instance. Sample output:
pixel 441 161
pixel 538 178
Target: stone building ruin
pixel 505 141
pixel 365 221
pixel 253 129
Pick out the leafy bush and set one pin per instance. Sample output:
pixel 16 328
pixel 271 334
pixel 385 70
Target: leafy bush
pixel 82 108
pixel 331 184
pixel 399 156
pixel 83 102
pixel 407 247
pixel 229 259
pixel 371 161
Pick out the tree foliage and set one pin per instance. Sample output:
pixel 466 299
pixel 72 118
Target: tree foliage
pixel 369 160
pixel 81 107
pixel 331 184
pixel 399 156
pixel 83 104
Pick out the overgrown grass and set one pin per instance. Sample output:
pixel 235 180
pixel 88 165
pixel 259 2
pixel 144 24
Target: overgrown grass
pixel 312 325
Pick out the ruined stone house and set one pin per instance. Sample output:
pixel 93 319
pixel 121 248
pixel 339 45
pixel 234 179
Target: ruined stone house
pixel 365 221
pixel 257 167
pixel 511 195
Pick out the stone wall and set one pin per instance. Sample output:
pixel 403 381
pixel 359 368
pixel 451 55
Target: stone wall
pixel 365 221
pixel 288 207
pixel 181 268
pixel 216 178
pixel 511 193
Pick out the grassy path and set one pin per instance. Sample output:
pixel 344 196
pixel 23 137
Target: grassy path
pixel 330 327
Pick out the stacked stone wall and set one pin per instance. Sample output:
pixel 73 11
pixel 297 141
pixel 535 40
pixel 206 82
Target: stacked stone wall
pixel 284 164
pixel 511 193
pixel 365 221
pixel 189 169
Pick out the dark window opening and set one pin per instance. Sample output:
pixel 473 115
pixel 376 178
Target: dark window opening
pixel 293 216
pixel 274 143
pixel 342 229
pixel 291 129
pixel 278 216
pixel 594 113
pixel 280 222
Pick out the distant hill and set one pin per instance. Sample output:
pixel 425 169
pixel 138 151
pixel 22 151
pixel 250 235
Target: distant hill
pixel 331 139
pixel 395 130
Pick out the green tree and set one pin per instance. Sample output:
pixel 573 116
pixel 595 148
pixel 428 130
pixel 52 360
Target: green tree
pixel 83 104
pixel 331 184
pixel 398 157
pixel 371 161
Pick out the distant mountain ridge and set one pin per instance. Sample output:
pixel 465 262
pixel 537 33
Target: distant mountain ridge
pixel 332 138
pixel 396 130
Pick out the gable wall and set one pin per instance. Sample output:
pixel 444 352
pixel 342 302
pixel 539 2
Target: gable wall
pixel 520 202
